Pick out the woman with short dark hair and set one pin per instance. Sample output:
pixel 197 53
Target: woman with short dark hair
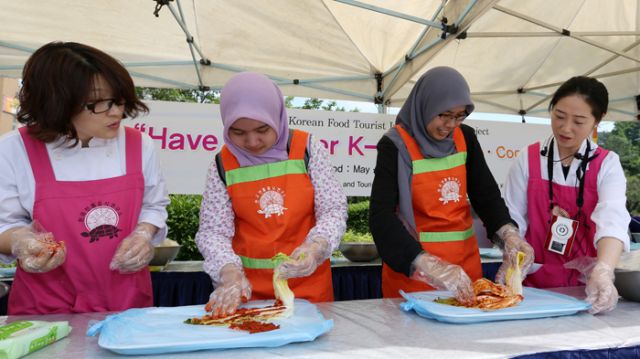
pixel 82 199
pixel 567 195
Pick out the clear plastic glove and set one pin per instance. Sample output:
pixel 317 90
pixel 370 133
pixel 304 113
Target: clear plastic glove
pixel 601 292
pixel 513 244
pixel 134 252
pixel 444 276
pixel 305 259
pixel 36 251
pixel 234 288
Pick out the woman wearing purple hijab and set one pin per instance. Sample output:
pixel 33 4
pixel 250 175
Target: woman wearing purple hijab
pixel 270 190
pixel 429 172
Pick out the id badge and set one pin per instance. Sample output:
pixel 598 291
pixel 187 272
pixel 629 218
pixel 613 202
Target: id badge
pixel 561 235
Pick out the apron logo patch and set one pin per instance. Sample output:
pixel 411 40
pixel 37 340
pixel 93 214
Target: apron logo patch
pixel 271 201
pixel 449 189
pixel 101 220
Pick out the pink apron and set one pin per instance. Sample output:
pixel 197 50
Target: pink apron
pixel 92 218
pixel 552 273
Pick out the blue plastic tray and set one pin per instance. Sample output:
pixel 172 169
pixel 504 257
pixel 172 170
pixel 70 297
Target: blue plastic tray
pixel 493 253
pixel 537 303
pixel 7 271
pixel 162 330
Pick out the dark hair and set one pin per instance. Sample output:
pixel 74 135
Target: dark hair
pixel 57 81
pixel 593 92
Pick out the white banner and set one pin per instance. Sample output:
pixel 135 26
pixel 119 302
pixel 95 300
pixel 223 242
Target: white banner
pixel 189 135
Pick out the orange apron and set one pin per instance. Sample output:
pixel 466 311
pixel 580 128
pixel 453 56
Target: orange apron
pixel 441 212
pixel 274 211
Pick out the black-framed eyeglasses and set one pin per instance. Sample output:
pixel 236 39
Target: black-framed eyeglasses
pixel 103 105
pixel 456 118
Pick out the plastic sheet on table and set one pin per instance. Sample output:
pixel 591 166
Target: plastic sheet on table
pixel 162 330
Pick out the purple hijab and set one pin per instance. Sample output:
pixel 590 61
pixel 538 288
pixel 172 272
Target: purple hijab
pixel 255 96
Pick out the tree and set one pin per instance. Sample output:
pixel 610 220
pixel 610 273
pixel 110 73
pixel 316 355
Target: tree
pixel 315 103
pixel 178 95
pixel 625 141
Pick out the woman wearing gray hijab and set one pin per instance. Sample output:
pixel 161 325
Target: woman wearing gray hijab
pixel 429 167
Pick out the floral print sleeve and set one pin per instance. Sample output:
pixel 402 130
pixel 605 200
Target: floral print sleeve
pixel 330 200
pixel 217 228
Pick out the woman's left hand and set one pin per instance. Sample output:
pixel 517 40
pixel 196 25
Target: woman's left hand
pixel 601 292
pixel 512 245
pixel 134 252
pixel 305 259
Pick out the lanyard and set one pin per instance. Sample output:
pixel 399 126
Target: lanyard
pixel 580 174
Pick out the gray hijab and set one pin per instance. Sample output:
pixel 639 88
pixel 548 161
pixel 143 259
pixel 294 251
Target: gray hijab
pixel 438 90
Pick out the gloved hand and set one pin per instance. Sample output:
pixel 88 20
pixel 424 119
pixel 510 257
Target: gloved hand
pixel 444 276
pixel 305 259
pixel 600 290
pixel 37 252
pixel 513 244
pixel 233 289
pixel 134 252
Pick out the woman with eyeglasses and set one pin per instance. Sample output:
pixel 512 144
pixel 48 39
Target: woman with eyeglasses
pixel 429 172
pixel 82 199
pixel 567 195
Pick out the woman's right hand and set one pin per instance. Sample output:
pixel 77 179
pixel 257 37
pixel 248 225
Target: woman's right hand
pixel 36 252
pixel 234 288
pixel 444 276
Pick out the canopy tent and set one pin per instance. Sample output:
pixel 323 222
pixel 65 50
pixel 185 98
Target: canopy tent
pixel 514 53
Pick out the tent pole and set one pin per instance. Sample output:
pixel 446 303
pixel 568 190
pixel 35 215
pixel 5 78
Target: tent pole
pixel 390 12
pixel 160 79
pixel 190 41
pixel 564 32
pixel 398 68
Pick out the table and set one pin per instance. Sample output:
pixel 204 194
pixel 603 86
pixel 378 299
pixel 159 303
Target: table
pixel 377 328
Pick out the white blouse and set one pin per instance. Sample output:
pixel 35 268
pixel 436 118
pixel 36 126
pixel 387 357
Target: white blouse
pixel 104 158
pixel 610 214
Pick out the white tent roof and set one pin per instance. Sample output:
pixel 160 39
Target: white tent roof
pixel 514 55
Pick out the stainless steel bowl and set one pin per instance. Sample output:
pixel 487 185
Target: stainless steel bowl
pixel 163 255
pixel 359 251
pixel 628 284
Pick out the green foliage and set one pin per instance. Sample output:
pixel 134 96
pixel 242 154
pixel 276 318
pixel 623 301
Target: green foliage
pixel 288 102
pixel 178 95
pixel 184 214
pixel 358 217
pixel 625 141
pixel 194 95
pixel 357 199
pixel 315 103
pixel 351 236
pixel 633 194
pixel 312 104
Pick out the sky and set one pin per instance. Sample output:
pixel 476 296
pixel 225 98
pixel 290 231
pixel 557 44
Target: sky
pixel 367 107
